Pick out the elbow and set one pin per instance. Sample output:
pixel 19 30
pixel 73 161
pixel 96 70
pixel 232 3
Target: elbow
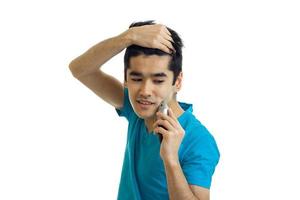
pixel 79 69
pixel 74 69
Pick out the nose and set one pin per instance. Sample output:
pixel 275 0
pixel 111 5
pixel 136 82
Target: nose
pixel 146 88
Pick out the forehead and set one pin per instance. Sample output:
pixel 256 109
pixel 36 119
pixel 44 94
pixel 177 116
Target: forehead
pixel 150 64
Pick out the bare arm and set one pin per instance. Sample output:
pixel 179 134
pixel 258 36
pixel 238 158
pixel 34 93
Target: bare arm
pixel 96 56
pixel 86 67
pixel 173 133
pixel 178 187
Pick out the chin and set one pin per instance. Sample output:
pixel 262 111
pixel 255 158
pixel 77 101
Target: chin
pixel 144 114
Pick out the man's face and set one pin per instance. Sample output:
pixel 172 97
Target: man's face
pixel 149 82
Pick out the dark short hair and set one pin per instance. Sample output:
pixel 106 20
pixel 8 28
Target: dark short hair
pixel 175 63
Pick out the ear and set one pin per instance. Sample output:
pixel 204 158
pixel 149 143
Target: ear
pixel 178 82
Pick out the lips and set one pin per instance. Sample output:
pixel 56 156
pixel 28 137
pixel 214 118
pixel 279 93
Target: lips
pixel 143 102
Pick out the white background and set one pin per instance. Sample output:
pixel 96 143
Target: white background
pixel 58 140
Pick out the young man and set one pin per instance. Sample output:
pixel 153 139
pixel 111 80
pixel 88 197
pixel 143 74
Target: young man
pixel 181 165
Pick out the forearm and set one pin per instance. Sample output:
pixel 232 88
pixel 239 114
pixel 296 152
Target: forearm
pixel 98 54
pixel 178 187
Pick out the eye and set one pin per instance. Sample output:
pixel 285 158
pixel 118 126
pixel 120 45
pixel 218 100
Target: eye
pixel 136 79
pixel 158 81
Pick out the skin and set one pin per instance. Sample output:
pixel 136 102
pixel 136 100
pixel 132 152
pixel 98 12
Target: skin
pixel 87 69
pixel 156 89
pixel 151 88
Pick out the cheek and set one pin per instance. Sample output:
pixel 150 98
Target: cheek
pixel 165 94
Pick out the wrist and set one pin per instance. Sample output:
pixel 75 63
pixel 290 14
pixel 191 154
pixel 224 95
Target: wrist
pixel 172 162
pixel 127 37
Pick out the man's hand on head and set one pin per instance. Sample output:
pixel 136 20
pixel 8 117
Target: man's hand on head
pixel 154 36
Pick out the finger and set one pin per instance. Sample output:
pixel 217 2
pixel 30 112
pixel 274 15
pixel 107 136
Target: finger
pixel 171 113
pixel 167 31
pixel 167 37
pixel 172 121
pixel 163 47
pixel 165 123
pixel 161 130
pixel 167 43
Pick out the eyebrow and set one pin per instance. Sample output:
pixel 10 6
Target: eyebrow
pixel 160 74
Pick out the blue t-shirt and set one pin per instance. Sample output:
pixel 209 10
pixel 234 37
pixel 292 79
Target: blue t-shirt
pixel 143 173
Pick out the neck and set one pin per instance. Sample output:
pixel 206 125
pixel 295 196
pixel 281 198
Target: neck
pixel 176 108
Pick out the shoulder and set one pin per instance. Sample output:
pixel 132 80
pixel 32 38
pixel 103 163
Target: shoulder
pixel 198 139
pixel 126 110
pixel 194 129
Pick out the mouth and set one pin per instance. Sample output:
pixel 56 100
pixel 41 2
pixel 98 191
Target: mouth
pixel 145 104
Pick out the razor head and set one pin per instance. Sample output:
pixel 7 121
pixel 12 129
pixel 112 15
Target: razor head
pixel 163 107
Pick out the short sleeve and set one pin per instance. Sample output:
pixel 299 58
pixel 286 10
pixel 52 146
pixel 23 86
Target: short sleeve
pixel 201 158
pixel 126 110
